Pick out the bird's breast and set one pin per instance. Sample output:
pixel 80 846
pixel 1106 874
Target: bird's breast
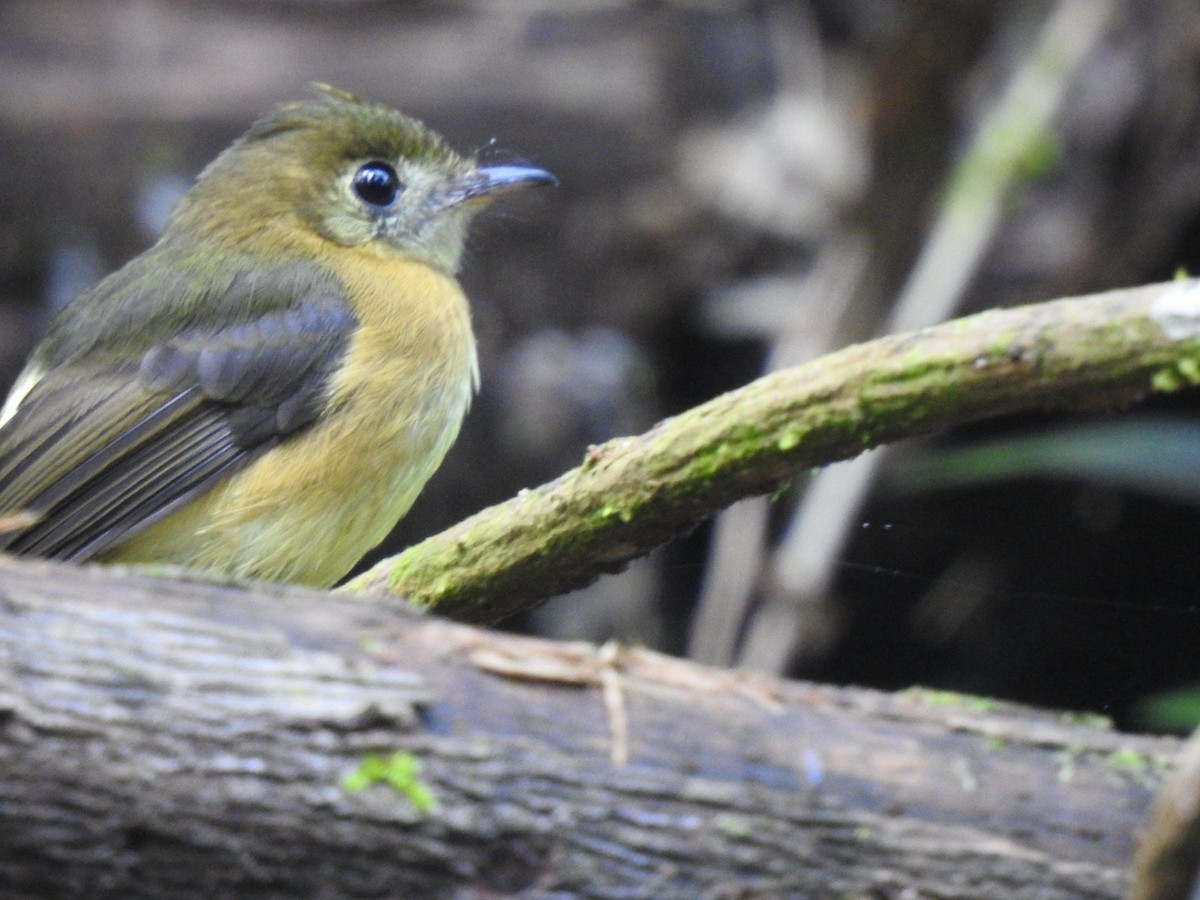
pixel 308 509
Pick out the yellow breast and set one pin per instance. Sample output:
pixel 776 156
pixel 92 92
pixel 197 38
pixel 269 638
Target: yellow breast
pixel 310 508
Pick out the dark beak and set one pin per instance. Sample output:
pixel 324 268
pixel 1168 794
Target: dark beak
pixel 491 181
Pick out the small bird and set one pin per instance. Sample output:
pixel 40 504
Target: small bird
pixel 264 392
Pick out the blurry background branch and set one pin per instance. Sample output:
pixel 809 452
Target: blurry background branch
pixel 1013 139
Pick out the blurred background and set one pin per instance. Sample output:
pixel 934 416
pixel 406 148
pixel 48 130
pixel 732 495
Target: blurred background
pixel 744 186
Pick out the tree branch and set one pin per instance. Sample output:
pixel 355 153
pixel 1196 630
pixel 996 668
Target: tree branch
pixel 633 494
pixel 1168 854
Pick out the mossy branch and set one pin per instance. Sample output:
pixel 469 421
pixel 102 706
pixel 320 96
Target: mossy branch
pixel 632 494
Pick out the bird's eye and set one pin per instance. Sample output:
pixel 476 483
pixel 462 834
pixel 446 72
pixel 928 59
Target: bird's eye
pixel 377 183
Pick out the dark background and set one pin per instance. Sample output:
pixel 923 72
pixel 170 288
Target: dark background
pixel 743 185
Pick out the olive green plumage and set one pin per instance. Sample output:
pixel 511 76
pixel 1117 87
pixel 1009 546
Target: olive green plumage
pixel 207 403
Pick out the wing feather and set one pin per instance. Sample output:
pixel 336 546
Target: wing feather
pixel 99 453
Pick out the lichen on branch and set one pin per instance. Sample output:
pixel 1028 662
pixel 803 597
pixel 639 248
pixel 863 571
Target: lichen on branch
pixel 632 494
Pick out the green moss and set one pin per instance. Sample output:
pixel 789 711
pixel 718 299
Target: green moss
pixel 1182 372
pixel 1165 381
pixel 1005 344
pixel 1088 719
pixel 790 439
pixel 716 458
pixel 401 771
pixel 609 511
pixel 954 698
pixel 1127 760
pixel 1189 368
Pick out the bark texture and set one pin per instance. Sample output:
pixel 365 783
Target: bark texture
pixel 192 739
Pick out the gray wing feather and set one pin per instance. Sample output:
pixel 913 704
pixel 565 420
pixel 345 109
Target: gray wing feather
pixel 98 453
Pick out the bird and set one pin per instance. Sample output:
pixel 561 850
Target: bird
pixel 262 393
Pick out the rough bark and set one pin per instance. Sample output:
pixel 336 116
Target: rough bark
pixel 1168 857
pixel 189 738
pixel 632 494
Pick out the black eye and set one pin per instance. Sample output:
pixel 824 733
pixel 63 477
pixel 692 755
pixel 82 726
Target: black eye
pixel 376 183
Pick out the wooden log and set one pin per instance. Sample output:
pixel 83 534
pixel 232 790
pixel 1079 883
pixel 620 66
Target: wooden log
pixel 190 738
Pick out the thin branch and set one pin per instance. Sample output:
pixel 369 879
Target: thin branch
pixel 634 493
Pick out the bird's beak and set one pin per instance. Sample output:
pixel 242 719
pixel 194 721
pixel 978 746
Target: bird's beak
pixel 491 181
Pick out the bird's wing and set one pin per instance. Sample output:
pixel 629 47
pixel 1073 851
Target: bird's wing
pixel 97 452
